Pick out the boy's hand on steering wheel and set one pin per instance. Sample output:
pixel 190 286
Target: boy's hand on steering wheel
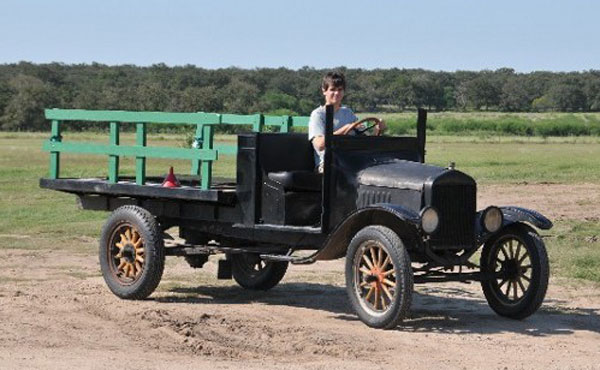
pixel 380 127
pixel 377 125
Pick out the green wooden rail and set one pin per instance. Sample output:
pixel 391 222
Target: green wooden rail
pixel 202 153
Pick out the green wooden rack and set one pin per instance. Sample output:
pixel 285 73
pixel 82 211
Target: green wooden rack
pixel 202 154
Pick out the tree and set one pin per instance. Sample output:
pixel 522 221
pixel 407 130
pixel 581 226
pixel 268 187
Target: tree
pixel 567 95
pixel 5 95
pixel 272 101
pixel 541 104
pixel 27 88
pixel 461 96
pixel 362 92
pixel 25 109
pixel 516 96
pixel 484 91
pixel 591 89
pixel 402 92
pixel 240 97
pixel 449 97
pixel 426 91
pixel 151 97
pixel 199 99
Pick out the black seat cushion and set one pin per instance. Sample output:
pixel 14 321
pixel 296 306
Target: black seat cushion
pixel 297 180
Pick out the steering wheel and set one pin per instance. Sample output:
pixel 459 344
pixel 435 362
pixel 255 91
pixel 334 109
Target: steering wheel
pixel 361 131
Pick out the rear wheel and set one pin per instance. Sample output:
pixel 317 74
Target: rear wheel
pixel 379 278
pixel 251 272
pixel 131 254
pixel 515 267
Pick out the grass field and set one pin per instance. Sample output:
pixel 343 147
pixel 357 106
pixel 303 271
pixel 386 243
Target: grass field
pixel 33 218
pixel 497 123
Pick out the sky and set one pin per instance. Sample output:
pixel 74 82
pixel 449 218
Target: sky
pixel 436 35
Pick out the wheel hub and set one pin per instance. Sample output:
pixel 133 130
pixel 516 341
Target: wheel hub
pixel 128 253
pixel 375 278
pixel 511 269
pixel 371 279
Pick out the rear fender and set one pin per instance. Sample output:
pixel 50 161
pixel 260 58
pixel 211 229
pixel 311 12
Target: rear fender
pixel 403 221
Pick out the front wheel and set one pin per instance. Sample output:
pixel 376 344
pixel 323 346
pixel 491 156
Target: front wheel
pixel 515 270
pixel 251 272
pixel 379 278
pixel 132 256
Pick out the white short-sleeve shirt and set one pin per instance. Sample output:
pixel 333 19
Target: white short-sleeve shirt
pixel 316 125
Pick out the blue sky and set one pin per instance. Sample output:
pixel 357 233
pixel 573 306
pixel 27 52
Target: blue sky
pixel 437 35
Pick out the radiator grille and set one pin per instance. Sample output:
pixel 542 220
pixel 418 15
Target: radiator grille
pixel 456 204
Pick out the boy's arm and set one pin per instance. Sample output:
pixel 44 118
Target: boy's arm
pixel 319 140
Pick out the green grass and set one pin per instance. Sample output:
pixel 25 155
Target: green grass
pixel 574 249
pixel 482 123
pixel 32 218
pixel 519 162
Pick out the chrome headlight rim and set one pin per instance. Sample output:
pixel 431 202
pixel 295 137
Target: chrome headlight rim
pixel 486 221
pixel 425 215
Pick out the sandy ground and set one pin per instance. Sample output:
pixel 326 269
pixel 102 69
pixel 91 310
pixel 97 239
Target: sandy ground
pixel 56 313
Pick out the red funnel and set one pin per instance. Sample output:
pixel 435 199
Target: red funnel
pixel 171 181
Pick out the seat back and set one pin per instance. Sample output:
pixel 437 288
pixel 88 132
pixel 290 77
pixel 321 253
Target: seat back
pixel 290 187
pixel 285 152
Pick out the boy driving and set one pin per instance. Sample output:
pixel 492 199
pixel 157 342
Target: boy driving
pixel 345 121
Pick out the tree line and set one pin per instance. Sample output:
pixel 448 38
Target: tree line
pixel 27 88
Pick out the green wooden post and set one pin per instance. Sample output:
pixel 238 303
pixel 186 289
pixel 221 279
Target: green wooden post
pixel 207 143
pixel 197 145
pixel 286 125
pixel 55 156
pixel 140 162
pixel 113 160
pixel 259 122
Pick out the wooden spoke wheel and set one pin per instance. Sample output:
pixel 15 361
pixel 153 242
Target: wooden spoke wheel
pixel 375 278
pixel 379 277
pixel 126 254
pixel 515 267
pixel 131 252
pixel 251 272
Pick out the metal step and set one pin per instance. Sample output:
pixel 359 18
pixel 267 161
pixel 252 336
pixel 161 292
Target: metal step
pixel 302 229
pixel 176 248
pixel 296 260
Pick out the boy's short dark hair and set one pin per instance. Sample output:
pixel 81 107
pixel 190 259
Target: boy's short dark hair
pixel 335 79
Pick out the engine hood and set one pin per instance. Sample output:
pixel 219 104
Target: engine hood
pixel 401 174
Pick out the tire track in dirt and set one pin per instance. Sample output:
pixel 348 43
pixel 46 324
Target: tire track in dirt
pixel 56 312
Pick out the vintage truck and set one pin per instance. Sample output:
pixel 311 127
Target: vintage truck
pixel 397 220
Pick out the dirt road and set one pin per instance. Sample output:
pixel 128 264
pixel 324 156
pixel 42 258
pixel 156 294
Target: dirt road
pixel 55 312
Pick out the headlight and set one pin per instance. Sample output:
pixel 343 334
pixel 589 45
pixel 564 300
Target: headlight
pixel 492 219
pixel 430 220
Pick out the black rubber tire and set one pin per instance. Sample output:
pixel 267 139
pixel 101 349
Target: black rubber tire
pixel 534 293
pixel 268 274
pixel 400 304
pixel 153 252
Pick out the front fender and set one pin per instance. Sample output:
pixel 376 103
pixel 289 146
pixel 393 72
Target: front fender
pixel 403 221
pixel 518 214
pixel 514 215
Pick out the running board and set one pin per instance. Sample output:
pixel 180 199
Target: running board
pixel 174 248
pixel 296 260
pixel 299 229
